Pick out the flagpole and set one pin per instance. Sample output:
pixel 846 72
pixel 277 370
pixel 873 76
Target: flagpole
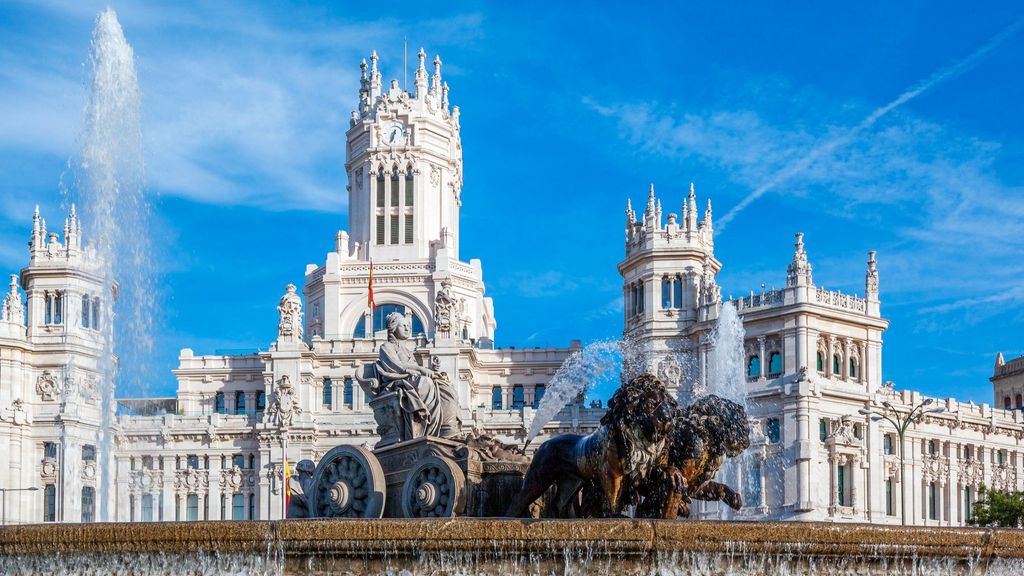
pixel 284 475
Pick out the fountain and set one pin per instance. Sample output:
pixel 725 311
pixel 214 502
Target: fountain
pixel 110 189
pixel 425 498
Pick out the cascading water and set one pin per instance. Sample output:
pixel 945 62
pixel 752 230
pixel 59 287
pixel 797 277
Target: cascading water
pixel 725 376
pixel 110 190
pixel 585 368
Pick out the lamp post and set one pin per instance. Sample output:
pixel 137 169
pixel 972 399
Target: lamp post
pixel 3 500
pixel 901 421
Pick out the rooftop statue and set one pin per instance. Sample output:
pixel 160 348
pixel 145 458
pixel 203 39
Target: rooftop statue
pixel 427 402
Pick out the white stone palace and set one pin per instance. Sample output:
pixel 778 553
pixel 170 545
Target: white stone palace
pixel 214 451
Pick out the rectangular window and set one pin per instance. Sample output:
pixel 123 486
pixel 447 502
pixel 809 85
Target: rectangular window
pixel 496 398
pixel 890 504
pixel 887 444
pixel 223 507
pixel 773 431
pixel 85 311
pixel 841 498
pixel 238 460
pixel 50 503
pixel 393 193
pixel 408 229
pixel 50 450
pixel 968 504
pixel 823 429
pixel 252 506
pixel 192 507
pixel 147 507
pixel 327 395
pixel 131 507
pixel 666 294
pixel 238 507
pixel 380 229
pixel 193 461
pixel 677 292
pixel 48 312
pixel 95 313
pixel 409 189
pixel 752 485
pixel 933 501
pixel 538 395
pixel 177 508
pixel 380 191
pixel 88 453
pixel 394 229
pixel 348 393
pixel 58 309
pixel 518 400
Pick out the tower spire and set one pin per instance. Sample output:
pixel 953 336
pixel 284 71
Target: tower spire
pixel 691 209
pixel 799 271
pixel 435 81
pixel 420 78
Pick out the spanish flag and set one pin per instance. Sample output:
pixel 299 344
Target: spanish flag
pixel 287 487
pixel 369 298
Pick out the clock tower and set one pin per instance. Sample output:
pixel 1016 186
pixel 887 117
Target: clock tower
pixel 404 165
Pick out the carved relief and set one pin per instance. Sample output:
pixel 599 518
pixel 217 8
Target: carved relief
pixel 46 386
pixel 13 309
pixel 445 312
pixel 285 407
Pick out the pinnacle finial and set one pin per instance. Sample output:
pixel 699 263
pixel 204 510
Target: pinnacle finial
pixel 799 242
pixel 422 55
pixel 651 195
pixel 74 212
pixel 36 215
pixel 709 205
pixel 999 356
pixel 629 205
pixel 692 193
pixel 373 61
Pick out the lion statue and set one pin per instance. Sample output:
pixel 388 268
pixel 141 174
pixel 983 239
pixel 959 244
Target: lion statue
pixel 633 433
pixel 705 434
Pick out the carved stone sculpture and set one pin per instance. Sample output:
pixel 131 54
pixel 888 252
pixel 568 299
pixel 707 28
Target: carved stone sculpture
pixel 427 404
pixel 445 311
pixel 299 484
pixel 13 310
pixel 289 327
pixel 46 386
pixel 285 406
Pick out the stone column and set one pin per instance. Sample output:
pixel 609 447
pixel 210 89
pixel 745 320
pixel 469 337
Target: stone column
pixel 214 491
pixel 760 357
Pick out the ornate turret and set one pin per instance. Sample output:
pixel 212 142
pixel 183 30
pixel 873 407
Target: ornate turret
pixel 799 271
pixel 420 79
pixel 13 309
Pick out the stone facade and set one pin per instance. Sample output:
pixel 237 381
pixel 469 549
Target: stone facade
pixel 813 358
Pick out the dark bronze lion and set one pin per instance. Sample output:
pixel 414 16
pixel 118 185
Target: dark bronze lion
pixel 633 434
pixel 704 435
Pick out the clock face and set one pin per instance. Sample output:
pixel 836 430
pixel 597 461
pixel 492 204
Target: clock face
pixel 394 134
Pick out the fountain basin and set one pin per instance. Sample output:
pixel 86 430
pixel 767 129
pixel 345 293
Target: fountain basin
pixel 505 546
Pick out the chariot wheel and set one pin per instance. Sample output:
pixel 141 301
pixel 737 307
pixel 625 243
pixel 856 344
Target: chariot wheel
pixel 348 483
pixel 435 487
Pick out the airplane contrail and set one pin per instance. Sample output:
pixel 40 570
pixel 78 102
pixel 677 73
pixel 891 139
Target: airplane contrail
pixel 829 146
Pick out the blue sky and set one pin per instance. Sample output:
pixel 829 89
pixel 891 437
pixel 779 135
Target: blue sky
pixel 566 112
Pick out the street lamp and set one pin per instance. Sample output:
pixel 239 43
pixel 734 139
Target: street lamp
pixel 3 499
pixel 901 421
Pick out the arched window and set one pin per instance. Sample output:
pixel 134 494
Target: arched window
pixel 518 397
pixel 85 310
pixel 95 313
pixel 666 293
pixel 496 403
pixel 1007 403
pixel 933 447
pixel 837 365
pixel 261 401
pixel 677 293
pixel 88 504
pixel 754 367
pixel 58 308
pixel 853 368
pixel 348 393
pixel 50 503
pixel 821 361
pixel 327 392
pixel 252 461
pixel 218 403
pixel 774 364
pixel 1020 402
pixel 239 402
pixel 380 314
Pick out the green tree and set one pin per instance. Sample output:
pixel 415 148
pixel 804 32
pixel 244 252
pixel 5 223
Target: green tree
pixel 999 508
